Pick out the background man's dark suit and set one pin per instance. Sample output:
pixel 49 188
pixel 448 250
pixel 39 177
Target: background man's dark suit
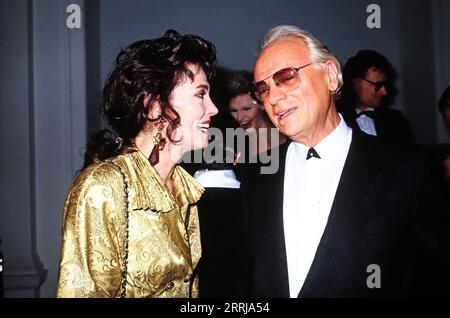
pixel 223 272
pixel 390 124
pixel 384 212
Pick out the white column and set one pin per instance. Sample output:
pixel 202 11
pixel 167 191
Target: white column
pixel 43 128
pixel 20 264
pixel 60 122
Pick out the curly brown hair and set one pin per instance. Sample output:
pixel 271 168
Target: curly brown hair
pixel 146 68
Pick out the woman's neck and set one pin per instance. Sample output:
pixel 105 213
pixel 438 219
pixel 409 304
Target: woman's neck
pixel 168 157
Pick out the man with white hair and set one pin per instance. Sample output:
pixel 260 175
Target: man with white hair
pixel 345 215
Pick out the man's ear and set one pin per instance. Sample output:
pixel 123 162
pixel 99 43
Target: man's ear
pixel 153 109
pixel 332 75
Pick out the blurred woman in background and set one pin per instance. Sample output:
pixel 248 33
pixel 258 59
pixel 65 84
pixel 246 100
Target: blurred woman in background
pixel 250 114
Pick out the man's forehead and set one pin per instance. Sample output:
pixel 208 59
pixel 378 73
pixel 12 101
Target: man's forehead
pixel 286 46
pixel 376 70
pixel 286 52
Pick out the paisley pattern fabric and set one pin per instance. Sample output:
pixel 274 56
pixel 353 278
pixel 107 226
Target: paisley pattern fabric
pixel 164 235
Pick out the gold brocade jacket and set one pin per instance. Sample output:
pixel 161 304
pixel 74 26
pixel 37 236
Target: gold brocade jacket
pixel 164 234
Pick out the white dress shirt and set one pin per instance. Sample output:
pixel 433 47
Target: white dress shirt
pixel 217 179
pixel 309 190
pixel 366 123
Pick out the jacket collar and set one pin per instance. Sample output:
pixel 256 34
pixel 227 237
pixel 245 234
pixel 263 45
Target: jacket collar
pixel 147 190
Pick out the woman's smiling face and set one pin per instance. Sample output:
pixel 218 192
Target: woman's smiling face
pixel 246 111
pixel 192 102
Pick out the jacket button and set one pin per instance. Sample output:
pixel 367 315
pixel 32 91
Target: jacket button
pixel 187 279
pixel 169 286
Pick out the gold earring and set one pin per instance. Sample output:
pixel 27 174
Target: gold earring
pixel 158 141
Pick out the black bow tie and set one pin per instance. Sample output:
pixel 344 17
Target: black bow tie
pixel 368 113
pixel 312 153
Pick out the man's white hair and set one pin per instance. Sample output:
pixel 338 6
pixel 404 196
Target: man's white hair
pixel 318 51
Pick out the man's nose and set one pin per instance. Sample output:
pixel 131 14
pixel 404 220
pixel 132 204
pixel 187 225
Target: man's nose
pixel 383 90
pixel 275 95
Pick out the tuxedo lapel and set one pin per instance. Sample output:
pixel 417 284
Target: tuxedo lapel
pixel 380 123
pixel 349 212
pixel 268 235
pixel 349 115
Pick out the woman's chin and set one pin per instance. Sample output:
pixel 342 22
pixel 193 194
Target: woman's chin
pixel 200 144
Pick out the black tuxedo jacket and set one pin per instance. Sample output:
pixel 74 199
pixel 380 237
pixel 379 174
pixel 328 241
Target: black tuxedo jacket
pixel 222 270
pixel 386 211
pixel 390 124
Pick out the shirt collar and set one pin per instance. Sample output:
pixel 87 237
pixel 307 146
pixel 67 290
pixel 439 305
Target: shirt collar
pixel 329 145
pixel 147 190
pixel 369 109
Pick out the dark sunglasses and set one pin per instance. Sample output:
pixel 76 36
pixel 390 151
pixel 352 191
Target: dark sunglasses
pixel 376 85
pixel 287 79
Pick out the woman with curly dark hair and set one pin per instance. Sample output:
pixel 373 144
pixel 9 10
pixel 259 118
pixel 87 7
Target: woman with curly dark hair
pixel 130 226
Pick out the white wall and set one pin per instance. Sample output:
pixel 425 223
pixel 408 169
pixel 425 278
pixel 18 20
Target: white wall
pixel 43 113
pixel 16 171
